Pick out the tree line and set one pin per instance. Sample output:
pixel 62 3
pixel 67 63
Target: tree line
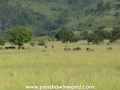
pixel 96 37
pixel 19 35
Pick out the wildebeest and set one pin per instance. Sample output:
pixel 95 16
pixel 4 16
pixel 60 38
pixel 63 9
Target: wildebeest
pixel 19 47
pixel 109 48
pixel 1 48
pixel 23 47
pixel 89 49
pixel 10 47
pixel 43 50
pixel 76 49
pixel 52 46
pixel 67 49
pixel 45 46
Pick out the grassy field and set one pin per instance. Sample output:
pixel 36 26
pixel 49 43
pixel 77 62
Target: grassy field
pixel 21 68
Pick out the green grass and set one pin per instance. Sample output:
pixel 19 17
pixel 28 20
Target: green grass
pixel 21 68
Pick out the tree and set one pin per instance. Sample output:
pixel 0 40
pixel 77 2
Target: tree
pixel 2 40
pixel 92 37
pixel 117 14
pixel 110 36
pixel 19 35
pixel 101 27
pixel 83 35
pixel 100 6
pixel 101 33
pixel 66 36
pixel 115 34
pixel 107 7
pixel 118 6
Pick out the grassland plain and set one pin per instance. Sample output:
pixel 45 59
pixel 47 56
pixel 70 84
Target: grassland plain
pixel 21 68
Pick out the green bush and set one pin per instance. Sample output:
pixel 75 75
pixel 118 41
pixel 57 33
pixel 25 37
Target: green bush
pixel 2 40
pixel 32 43
pixel 42 42
pixel 108 43
pixel 51 39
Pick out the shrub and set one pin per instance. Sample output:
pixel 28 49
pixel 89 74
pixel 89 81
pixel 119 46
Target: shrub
pixel 2 40
pixel 42 42
pixel 32 43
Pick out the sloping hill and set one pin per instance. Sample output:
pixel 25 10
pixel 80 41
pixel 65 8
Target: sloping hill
pixel 75 15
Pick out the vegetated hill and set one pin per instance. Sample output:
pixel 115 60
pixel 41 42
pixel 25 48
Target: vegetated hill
pixel 46 17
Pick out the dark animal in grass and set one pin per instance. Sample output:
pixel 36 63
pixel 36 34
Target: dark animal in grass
pixel 10 47
pixel 23 47
pixel 19 47
pixel 89 49
pixel 110 48
pixel 76 49
pixel 67 49
pixel 1 48
pixel 43 50
pixel 45 46
pixel 52 46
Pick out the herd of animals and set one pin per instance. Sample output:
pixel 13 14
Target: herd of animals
pixel 77 49
pixel 12 47
pixel 87 49
pixel 65 49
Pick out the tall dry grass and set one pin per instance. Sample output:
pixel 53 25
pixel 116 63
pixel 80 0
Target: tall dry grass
pixel 21 68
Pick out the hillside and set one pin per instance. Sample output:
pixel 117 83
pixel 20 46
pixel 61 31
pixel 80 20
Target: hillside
pixel 46 17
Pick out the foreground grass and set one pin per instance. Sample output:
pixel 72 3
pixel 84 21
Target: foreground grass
pixel 21 68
